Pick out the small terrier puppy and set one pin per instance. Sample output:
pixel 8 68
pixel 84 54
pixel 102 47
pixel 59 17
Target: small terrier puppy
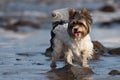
pixel 73 39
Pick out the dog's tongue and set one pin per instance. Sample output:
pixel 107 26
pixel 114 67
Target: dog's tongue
pixel 77 34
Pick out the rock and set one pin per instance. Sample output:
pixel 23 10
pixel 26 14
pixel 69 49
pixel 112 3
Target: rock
pixel 18 59
pixel 9 73
pixel 114 72
pixel 99 50
pixel 117 21
pixel 26 54
pixel 108 8
pixel 115 51
pixel 69 72
pixel 37 64
pixel 106 24
pixel 17 24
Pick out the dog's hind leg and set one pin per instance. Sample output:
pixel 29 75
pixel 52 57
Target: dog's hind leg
pixel 57 49
pixel 54 58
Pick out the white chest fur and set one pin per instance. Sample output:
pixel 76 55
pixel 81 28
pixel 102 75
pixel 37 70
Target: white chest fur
pixel 62 34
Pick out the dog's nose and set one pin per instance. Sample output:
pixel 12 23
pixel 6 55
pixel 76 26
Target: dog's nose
pixel 53 14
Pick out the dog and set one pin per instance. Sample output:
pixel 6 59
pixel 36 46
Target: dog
pixel 73 39
pixel 58 17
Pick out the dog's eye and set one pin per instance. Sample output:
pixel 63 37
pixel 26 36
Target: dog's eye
pixel 80 23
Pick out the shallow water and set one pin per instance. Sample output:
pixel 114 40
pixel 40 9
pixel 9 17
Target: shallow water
pixel 108 36
pixel 21 54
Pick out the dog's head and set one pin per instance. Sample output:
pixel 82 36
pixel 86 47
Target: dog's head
pixel 79 23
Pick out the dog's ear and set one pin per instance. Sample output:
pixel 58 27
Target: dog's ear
pixel 71 13
pixel 85 11
pixel 88 18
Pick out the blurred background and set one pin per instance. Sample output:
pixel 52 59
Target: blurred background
pixel 29 15
pixel 25 27
pixel 37 12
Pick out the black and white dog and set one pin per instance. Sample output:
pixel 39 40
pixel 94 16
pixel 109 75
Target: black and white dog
pixel 59 17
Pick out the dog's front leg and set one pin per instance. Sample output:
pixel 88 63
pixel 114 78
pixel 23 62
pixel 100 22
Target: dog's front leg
pixel 68 56
pixel 84 60
pixel 87 54
pixel 77 55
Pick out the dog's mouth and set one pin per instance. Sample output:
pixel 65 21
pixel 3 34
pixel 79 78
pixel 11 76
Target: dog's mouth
pixel 78 34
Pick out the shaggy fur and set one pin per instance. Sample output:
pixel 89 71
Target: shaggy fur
pixel 73 39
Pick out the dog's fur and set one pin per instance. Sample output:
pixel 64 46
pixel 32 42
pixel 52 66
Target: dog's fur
pixel 58 17
pixel 73 39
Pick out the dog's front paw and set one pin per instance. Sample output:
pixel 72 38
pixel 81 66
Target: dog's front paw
pixel 53 65
pixel 71 64
pixel 85 65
